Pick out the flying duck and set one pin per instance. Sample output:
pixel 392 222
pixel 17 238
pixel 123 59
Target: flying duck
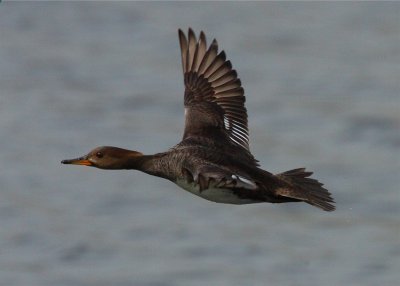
pixel 213 160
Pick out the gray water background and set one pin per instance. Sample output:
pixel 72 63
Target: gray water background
pixel 322 86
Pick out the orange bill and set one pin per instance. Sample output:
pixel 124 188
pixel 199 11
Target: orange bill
pixel 78 161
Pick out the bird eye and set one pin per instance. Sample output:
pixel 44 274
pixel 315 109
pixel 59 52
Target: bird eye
pixel 99 155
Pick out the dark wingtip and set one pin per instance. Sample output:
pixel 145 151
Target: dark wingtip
pixel 214 44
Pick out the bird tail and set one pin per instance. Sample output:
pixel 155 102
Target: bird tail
pixel 303 188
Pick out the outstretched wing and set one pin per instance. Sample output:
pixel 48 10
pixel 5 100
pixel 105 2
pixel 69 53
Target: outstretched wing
pixel 214 98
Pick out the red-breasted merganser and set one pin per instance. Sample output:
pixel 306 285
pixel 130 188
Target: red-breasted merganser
pixel 213 160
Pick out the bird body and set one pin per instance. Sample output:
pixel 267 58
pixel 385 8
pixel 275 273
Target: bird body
pixel 213 160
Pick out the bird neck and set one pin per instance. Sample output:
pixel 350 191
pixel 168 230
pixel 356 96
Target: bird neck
pixel 135 161
pixel 140 162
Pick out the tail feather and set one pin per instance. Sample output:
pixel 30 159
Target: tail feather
pixel 305 189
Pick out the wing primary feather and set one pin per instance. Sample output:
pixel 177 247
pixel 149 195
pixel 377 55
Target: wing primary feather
pixel 195 59
pixel 233 92
pixel 201 49
pixel 190 50
pixel 235 82
pixel 223 69
pixel 209 56
pixel 225 78
pixel 184 45
pixel 230 85
pixel 217 62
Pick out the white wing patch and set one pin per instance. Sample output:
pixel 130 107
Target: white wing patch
pixel 237 133
pixel 244 183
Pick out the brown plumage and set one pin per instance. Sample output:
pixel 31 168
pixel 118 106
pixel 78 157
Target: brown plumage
pixel 213 160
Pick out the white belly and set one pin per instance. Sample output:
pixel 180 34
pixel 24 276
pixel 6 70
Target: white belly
pixel 218 195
